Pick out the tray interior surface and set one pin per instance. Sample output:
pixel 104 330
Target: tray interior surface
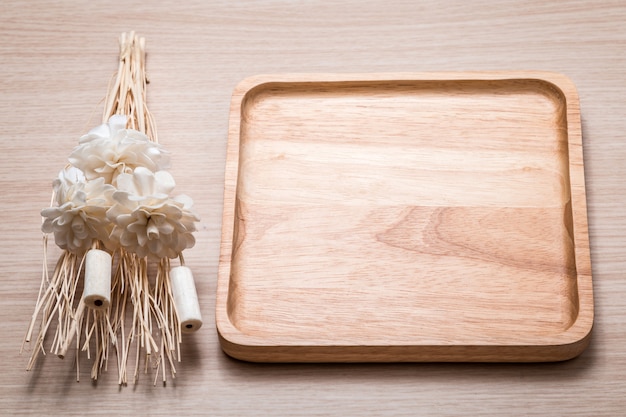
pixel 403 212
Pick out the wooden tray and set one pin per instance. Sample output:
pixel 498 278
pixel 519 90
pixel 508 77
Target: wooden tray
pixel 405 217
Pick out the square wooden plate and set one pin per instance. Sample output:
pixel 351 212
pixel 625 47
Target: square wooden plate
pixel 405 217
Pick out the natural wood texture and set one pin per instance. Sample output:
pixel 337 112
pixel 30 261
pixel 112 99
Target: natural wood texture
pixel 56 59
pixel 440 215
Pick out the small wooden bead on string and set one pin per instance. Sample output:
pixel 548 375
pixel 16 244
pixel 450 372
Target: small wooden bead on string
pixel 186 298
pixel 97 291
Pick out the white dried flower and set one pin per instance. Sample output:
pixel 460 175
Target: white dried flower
pixel 146 220
pixel 109 150
pixel 79 217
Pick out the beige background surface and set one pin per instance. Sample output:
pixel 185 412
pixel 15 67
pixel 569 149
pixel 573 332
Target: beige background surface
pixel 56 58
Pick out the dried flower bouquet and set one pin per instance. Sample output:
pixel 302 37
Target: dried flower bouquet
pixel 114 215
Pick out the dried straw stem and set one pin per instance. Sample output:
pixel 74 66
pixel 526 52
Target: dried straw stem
pixel 57 300
pixel 127 93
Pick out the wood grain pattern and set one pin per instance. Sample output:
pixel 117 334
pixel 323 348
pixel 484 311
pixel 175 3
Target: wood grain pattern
pixel 421 212
pixel 56 58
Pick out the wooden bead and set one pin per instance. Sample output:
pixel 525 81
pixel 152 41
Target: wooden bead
pixel 97 292
pixel 186 299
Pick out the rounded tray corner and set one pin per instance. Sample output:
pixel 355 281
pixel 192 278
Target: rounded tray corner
pixel 232 341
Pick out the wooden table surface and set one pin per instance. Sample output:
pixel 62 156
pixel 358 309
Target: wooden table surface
pixel 56 58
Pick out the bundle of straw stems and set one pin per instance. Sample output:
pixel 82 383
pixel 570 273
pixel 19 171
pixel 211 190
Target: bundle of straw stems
pixel 142 317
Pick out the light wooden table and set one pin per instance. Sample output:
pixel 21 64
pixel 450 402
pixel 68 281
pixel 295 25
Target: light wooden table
pixel 56 58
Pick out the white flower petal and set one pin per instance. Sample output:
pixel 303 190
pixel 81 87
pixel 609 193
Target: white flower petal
pixel 144 181
pixel 117 122
pixel 164 182
pixel 185 200
pixel 72 175
pixel 101 131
